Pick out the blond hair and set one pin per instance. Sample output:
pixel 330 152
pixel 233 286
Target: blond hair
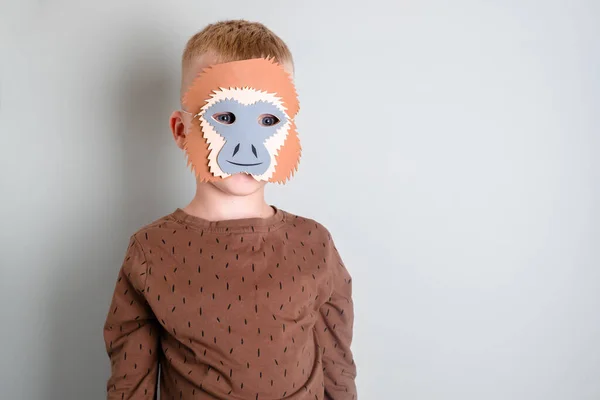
pixel 236 40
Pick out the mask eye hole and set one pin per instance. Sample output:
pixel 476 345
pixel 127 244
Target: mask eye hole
pixel 268 120
pixel 226 118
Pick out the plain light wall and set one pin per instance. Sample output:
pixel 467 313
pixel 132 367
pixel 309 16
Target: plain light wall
pixel 450 147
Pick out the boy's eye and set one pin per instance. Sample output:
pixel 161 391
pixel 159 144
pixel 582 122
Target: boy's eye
pixel 268 120
pixel 226 118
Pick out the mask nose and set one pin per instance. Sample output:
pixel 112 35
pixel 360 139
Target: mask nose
pixel 237 148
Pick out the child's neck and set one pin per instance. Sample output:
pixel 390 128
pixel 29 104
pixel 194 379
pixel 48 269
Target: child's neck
pixel 212 204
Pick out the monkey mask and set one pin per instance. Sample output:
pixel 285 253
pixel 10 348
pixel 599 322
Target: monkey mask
pixel 243 122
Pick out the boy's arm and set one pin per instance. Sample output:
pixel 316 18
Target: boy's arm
pixel 130 333
pixel 334 328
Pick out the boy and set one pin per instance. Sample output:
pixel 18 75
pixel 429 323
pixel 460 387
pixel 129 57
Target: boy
pixel 233 298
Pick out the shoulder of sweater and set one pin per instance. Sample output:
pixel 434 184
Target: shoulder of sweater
pixel 166 222
pixel 307 226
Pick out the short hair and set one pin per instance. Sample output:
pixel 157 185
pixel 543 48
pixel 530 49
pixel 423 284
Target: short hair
pixel 236 40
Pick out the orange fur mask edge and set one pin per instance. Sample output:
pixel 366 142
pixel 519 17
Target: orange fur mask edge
pixel 250 81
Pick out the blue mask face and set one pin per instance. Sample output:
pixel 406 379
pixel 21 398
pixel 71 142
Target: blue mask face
pixel 245 129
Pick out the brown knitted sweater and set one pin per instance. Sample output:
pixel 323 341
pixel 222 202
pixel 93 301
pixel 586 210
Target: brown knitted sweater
pixel 246 309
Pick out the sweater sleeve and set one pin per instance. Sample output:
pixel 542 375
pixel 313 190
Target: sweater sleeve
pixel 334 330
pixel 130 333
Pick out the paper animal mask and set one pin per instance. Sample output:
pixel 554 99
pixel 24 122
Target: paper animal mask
pixel 243 122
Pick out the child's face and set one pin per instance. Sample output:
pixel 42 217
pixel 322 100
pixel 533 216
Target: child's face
pixel 240 184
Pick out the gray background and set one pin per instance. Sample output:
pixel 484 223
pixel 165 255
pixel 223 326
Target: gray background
pixel 450 147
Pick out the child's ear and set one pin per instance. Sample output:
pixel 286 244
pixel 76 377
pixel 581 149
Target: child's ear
pixel 178 128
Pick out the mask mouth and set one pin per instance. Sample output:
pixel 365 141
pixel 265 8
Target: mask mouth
pixel 243 165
